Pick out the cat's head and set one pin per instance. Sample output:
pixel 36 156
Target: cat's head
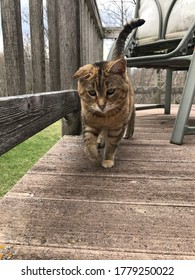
pixel 101 85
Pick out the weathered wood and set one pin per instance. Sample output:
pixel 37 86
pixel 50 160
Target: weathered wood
pixel 79 23
pixel 138 169
pixel 94 12
pixel 83 34
pixel 23 116
pixel 69 34
pixel 91 33
pixel 141 209
pixel 54 49
pixel 29 252
pixel 37 45
pixel 123 227
pixel 75 31
pixel 158 191
pixel 87 37
pixel 13 47
pixel 69 42
pixel 98 47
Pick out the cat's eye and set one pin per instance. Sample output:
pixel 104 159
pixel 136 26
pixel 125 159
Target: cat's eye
pixel 92 92
pixel 110 91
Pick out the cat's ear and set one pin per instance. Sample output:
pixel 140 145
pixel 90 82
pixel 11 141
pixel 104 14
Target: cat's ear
pixel 117 66
pixel 84 72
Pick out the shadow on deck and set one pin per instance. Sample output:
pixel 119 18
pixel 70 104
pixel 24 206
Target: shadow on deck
pixel 143 208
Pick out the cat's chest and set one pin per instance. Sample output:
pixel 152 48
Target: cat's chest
pixel 111 120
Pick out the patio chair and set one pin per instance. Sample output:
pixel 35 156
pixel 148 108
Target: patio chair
pixel 166 41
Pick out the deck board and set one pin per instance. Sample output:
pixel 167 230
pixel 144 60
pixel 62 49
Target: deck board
pixel 143 208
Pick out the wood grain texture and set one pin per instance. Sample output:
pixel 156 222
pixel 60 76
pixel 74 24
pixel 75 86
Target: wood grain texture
pixel 143 208
pixel 92 6
pixel 25 115
pixel 54 49
pixel 13 47
pixel 69 35
pixel 37 45
pixel 61 253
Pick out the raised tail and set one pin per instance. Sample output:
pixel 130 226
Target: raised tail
pixel 120 42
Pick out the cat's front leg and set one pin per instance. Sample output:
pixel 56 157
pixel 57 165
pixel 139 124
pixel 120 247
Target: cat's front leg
pixel 90 144
pixel 112 142
pixel 109 153
pixel 101 140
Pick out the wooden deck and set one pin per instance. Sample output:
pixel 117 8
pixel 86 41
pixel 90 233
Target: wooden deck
pixel 143 208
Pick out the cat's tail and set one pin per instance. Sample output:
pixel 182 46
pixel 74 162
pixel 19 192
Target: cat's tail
pixel 120 42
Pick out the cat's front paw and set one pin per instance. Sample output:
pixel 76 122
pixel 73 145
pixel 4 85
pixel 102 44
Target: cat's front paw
pixel 107 163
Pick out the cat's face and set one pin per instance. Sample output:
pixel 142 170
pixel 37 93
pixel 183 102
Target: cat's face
pixel 102 86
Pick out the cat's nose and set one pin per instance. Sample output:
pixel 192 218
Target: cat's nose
pixel 102 106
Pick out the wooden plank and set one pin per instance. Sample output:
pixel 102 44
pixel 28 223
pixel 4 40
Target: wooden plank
pixel 143 208
pixel 23 116
pixel 83 31
pixel 54 48
pixel 89 31
pixel 69 42
pixel 98 225
pixel 13 47
pixel 64 164
pixel 37 45
pixel 129 189
pixel 69 32
pixel 86 38
pixel 92 6
pixel 136 152
pixel 91 43
pixel 22 252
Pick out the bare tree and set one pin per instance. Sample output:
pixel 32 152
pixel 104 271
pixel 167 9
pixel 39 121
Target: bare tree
pixel 116 12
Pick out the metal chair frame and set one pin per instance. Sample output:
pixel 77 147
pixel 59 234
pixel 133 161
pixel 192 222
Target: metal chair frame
pixel 170 54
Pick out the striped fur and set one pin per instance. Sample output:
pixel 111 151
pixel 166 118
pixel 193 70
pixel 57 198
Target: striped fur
pixel 107 102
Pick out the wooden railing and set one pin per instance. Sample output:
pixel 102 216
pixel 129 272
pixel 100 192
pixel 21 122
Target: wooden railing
pixel 75 37
pixel 23 116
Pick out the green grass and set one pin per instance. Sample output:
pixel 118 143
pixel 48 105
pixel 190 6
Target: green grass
pixel 15 163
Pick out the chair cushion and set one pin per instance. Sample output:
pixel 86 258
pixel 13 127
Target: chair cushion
pixel 181 18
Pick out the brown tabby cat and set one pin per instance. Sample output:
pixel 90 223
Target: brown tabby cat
pixel 107 101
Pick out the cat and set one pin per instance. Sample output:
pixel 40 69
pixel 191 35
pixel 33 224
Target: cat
pixel 107 102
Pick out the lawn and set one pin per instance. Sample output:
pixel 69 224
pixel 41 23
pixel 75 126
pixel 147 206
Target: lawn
pixel 15 163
